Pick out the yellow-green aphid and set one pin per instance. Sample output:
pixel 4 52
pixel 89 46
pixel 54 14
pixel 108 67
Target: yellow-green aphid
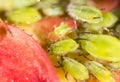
pixel 24 16
pixel 62 30
pixel 6 5
pixel 76 69
pixel 24 3
pixel 46 3
pixel 109 19
pixel 100 72
pixel 85 13
pixel 78 2
pixel 64 46
pixel 101 46
pixel 53 10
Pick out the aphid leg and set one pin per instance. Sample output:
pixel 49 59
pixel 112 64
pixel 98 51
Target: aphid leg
pixel 106 29
pixel 59 64
pixel 76 28
pixel 67 77
pixel 115 33
pixel 66 74
pixel 80 52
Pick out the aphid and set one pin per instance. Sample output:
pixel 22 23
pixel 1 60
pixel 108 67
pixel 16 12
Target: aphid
pixel 109 19
pixel 62 30
pixel 85 13
pixel 23 3
pixel 99 71
pixel 53 11
pixel 74 68
pixel 24 16
pixel 101 46
pixel 64 46
pixel 78 2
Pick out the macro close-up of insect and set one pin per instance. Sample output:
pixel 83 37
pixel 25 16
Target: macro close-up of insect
pixel 59 40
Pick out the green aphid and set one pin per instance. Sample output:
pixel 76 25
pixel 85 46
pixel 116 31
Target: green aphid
pixel 24 16
pixel 109 19
pixel 24 3
pixel 46 4
pixel 78 2
pixel 6 5
pixel 101 46
pixel 74 68
pixel 100 72
pixel 53 10
pixel 62 30
pixel 64 46
pixel 85 13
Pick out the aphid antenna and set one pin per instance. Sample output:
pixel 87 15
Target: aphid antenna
pixel 86 57
pixel 80 38
pixel 85 22
pixel 115 33
pixel 76 28
pixel 106 29
pixel 60 63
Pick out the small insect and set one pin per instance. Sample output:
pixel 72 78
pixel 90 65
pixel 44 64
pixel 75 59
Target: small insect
pixel 74 68
pixel 100 46
pixel 64 46
pixel 99 71
pixel 84 13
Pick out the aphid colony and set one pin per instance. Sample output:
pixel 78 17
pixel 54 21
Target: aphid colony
pixel 89 47
pixel 99 46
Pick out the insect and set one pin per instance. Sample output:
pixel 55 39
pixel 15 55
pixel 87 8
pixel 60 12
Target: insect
pixel 74 68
